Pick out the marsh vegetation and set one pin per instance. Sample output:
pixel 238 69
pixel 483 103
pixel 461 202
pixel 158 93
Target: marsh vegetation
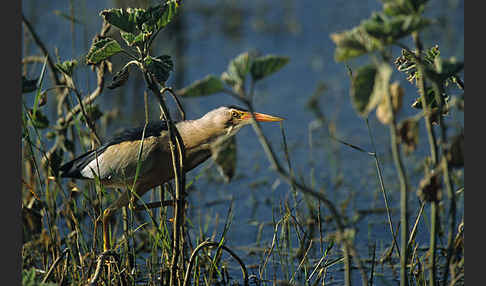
pixel 312 201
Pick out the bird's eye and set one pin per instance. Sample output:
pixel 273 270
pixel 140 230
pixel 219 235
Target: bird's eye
pixel 235 114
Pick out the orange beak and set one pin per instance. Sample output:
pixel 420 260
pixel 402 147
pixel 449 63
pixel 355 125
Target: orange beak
pixel 262 117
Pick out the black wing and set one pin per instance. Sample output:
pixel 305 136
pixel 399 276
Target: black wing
pixel 72 169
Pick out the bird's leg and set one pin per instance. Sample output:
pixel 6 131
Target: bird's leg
pixel 106 238
pixel 122 201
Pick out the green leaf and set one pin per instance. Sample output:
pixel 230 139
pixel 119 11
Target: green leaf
pixel 126 20
pixel 240 66
pixel 353 43
pixel 231 79
pixel 130 39
pixel 170 10
pixel 120 78
pixel 209 85
pixel 406 63
pixel 157 17
pixel 159 67
pixel 102 50
pixel 362 84
pixel 28 85
pixel 264 66
pixel 67 67
pixel 403 7
pixel 29 279
pixel 368 86
pixel 224 155
pixel 39 120
pixel 443 72
pixel 389 29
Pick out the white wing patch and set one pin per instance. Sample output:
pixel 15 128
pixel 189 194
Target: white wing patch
pixel 94 167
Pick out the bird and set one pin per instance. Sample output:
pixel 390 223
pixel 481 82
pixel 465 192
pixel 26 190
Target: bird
pixel 115 162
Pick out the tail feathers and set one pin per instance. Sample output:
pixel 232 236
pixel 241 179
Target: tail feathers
pixel 73 168
pixel 69 171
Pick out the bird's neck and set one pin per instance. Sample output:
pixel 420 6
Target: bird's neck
pixel 197 134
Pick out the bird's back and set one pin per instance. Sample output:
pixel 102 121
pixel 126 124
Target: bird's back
pixel 75 168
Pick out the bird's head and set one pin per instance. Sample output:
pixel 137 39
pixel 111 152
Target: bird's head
pixel 227 120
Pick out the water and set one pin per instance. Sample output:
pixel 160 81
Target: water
pixel 299 30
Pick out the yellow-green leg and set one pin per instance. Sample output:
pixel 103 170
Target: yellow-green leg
pixel 106 235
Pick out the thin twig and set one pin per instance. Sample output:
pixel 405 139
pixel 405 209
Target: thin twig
pixel 41 45
pixel 99 265
pixel 56 262
pixel 433 148
pixel 414 228
pixel 177 100
pixel 175 141
pixel 85 115
pixel 403 191
pixel 372 271
pixel 383 191
pixel 213 244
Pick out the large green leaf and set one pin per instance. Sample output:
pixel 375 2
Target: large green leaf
pixel 209 85
pixel 362 83
pixel 375 33
pixel 160 67
pixel 236 72
pixel 132 39
pixel 101 50
pixel 389 29
pixel 353 43
pixel 224 155
pixel 368 86
pixel 124 19
pixel 231 80
pixel 157 17
pixel 120 78
pixel 169 12
pixel 240 66
pixel 403 7
pixel 262 67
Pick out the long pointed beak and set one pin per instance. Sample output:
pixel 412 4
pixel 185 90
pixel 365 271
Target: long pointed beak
pixel 262 117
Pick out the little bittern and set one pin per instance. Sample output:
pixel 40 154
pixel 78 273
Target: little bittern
pixel 115 162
